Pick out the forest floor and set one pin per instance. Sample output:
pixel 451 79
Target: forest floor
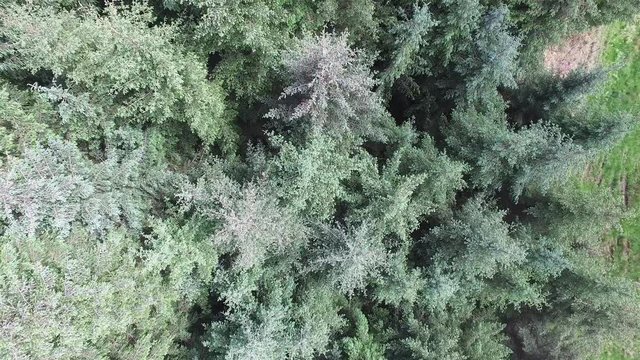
pixel 616 47
pixel 620 167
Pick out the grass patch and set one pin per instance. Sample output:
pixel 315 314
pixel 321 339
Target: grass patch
pixel 622 49
pixel 620 167
pixel 616 353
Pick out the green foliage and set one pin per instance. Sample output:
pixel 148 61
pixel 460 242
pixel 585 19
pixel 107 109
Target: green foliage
pixel 533 157
pixel 25 121
pixel 115 67
pixel 363 346
pixel 83 298
pixel 414 182
pixel 401 283
pixel 311 179
pixel 542 23
pixel 492 62
pixel 358 17
pixel 253 226
pixel 478 242
pixel 248 35
pixel 350 258
pixel 455 27
pixel 545 95
pixel 596 319
pixel 50 189
pixel 410 37
pixel 328 179
pixel 331 89
pixel 558 18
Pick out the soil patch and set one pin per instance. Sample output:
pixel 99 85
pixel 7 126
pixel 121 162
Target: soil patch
pixel 581 51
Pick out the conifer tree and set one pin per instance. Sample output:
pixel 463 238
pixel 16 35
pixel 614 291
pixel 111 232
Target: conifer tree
pixel 411 36
pixel 52 188
pixel 84 298
pixel 324 179
pixel 331 89
pixel 114 67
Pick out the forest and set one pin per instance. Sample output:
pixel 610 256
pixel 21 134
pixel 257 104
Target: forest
pixel 307 179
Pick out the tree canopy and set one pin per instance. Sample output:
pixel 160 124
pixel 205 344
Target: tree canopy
pixel 297 179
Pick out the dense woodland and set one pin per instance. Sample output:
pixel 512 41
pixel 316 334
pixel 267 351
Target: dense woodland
pixel 303 179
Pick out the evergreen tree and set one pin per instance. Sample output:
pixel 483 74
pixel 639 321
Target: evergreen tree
pixel 26 121
pixel 53 188
pixel 327 179
pixel 83 298
pixel 411 36
pixel 114 67
pixel 331 90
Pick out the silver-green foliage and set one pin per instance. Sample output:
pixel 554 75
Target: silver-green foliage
pixel 54 187
pixel 81 298
pixel 331 88
pixel 116 66
pixel 251 224
pixel 351 258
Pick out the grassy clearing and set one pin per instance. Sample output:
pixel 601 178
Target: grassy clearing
pixel 616 354
pixel 622 46
pixel 620 168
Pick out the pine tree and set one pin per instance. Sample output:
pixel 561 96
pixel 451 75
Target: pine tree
pixel 532 158
pixel 349 258
pixel 52 188
pixel 492 61
pixel 26 121
pixel 331 89
pixel 245 38
pixel 114 67
pixel 84 298
pixel 323 179
pixel 415 182
pixel 312 179
pixel 411 36
pixel 252 225
pixel 478 243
